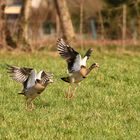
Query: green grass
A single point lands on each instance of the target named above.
(106, 106)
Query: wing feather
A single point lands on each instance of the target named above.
(86, 57)
(46, 77)
(77, 64)
(19, 74)
(68, 53)
(88, 53)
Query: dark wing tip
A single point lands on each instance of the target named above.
(48, 74)
(88, 53)
(59, 39)
(91, 49)
(61, 43)
(10, 68)
(46, 77)
(65, 50)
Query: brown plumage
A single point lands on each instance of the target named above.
(33, 84)
(76, 64)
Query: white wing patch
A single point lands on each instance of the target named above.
(83, 61)
(39, 75)
(77, 63)
(32, 78)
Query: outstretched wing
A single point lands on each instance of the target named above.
(72, 57)
(88, 53)
(86, 57)
(19, 74)
(46, 77)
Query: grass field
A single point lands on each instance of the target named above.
(106, 106)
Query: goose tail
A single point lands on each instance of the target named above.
(66, 79)
(21, 93)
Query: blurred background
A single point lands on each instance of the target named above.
(37, 24)
(107, 103)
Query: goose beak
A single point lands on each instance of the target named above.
(50, 76)
(51, 81)
(97, 65)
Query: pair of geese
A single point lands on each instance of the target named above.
(35, 83)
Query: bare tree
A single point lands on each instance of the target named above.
(124, 25)
(87, 10)
(23, 38)
(5, 34)
(2, 24)
(37, 18)
(65, 19)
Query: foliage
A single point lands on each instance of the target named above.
(106, 106)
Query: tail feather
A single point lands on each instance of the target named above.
(66, 79)
(22, 93)
(88, 53)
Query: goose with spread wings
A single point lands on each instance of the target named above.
(33, 83)
(76, 65)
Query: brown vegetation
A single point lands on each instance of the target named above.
(91, 23)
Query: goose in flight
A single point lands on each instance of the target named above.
(76, 65)
(33, 83)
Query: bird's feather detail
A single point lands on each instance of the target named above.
(31, 79)
(19, 74)
(68, 53)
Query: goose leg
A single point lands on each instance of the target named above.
(32, 105)
(73, 92)
(29, 104)
(68, 92)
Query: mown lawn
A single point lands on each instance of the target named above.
(106, 106)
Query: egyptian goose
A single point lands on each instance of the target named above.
(33, 83)
(76, 65)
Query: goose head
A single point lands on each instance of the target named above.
(95, 65)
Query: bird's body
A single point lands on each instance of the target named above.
(33, 83)
(75, 77)
(76, 64)
(34, 91)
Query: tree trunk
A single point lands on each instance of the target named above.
(57, 25)
(138, 19)
(81, 22)
(81, 17)
(23, 31)
(2, 24)
(5, 34)
(102, 25)
(64, 18)
(124, 25)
